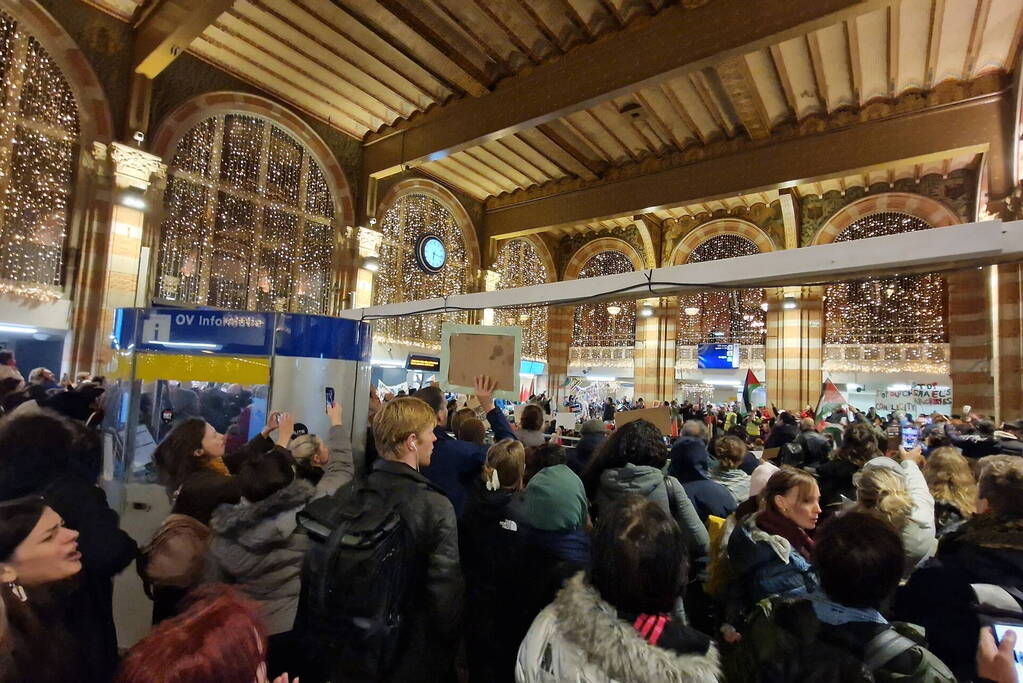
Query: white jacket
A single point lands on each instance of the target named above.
(919, 535)
(580, 639)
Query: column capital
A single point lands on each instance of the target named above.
(134, 167)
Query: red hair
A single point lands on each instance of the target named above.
(218, 638)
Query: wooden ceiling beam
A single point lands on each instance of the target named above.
(169, 29)
(966, 127)
(852, 40)
(813, 46)
(894, 34)
(680, 109)
(778, 61)
(934, 42)
(741, 89)
(675, 43)
(976, 37)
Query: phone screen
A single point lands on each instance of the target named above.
(329, 395)
(894, 436)
(1000, 631)
(910, 436)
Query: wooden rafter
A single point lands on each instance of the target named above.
(541, 25)
(593, 169)
(610, 133)
(976, 37)
(814, 48)
(663, 127)
(477, 41)
(778, 62)
(894, 34)
(742, 90)
(511, 157)
(707, 100)
(680, 110)
(169, 29)
(934, 42)
(852, 38)
(576, 19)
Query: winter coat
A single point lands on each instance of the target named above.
(973, 445)
(815, 447)
(106, 551)
(455, 464)
(257, 547)
(492, 544)
(938, 597)
(652, 484)
(764, 564)
(609, 412)
(580, 638)
(919, 534)
(434, 618)
(781, 435)
(735, 480)
(1008, 444)
(689, 459)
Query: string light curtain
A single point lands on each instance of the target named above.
(518, 265)
(592, 324)
(733, 316)
(39, 130)
(400, 278)
(909, 309)
(249, 220)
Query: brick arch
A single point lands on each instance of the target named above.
(930, 211)
(449, 201)
(591, 249)
(542, 251)
(190, 113)
(721, 226)
(94, 120)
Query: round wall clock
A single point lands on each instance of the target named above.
(430, 253)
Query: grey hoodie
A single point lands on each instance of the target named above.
(256, 548)
(653, 484)
(735, 480)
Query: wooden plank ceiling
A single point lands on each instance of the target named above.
(365, 65)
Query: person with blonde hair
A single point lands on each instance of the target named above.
(492, 544)
(950, 479)
(730, 452)
(403, 430)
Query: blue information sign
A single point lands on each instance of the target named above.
(194, 331)
(717, 356)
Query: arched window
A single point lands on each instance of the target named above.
(39, 130)
(732, 316)
(897, 310)
(594, 324)
(249, 220)
(518, 265)
(402, 277)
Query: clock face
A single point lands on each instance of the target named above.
(431, 253)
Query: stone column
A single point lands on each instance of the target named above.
(559, 340)
(1010, 341)
(794, 349)
(111, 259)
(654, 355)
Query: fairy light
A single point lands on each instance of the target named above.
(401, 279)
(518, 265)
(736, 313)
(249, 220)
(592, 324)
(899, 310)
(39, 127)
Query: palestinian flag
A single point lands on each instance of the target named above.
(830, 399)
(749, 386)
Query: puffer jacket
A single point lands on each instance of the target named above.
(655, 485)
(763, 564)
(580, 638)
(257, 548)
(919, 534)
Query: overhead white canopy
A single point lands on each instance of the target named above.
(952, 248)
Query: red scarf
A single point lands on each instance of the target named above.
(778, 524)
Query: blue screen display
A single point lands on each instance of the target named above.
(717, 356)
(531, 367)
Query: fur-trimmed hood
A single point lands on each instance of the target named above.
(265, 523)
(615, 648)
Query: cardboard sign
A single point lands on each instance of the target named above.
(660, 417)
(471, 350)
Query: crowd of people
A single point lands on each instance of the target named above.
(466, 548)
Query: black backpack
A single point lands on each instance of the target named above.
(355, 579)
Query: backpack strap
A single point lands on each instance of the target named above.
(672, 502)
(995, 599)
(884, 647)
